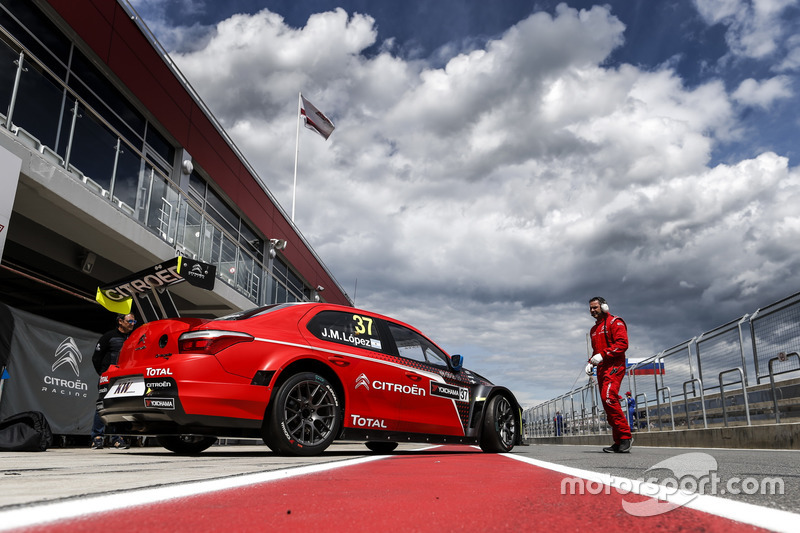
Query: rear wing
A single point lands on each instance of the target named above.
(149, 288)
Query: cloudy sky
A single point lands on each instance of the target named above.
(496, 164)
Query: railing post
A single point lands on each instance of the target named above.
(75, 116)
(646, 413)
(741, 349)
(658, 406)
(20, 69)
(702, 402)
(744, 394)
(753, 344)
(117, 151)
(772, 382)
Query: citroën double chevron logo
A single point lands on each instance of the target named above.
(68, 353)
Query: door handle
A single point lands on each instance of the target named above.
(339, 361)
(413, 376)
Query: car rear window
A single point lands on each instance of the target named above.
(256, 311)
(352, 329)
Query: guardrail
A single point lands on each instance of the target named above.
(704, 382)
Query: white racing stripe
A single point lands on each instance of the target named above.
(747, 513)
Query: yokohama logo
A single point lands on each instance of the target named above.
(159, 403)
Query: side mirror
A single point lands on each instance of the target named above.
(456, 362)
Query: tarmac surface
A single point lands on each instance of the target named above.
(70, 474)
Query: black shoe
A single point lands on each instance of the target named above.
(97, 443)
(614, 448)
(624, 446)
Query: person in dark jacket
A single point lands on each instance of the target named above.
(105, 354)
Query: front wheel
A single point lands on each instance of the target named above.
(499, 430)
(186, 444)
(304, 418)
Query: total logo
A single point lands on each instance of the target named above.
(152, 372)
(364, 422)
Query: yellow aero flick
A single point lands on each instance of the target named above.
(122, 307)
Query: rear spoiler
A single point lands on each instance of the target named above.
(152, 284)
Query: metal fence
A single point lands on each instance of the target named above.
(745, 372)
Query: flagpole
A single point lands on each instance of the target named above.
(296, 150)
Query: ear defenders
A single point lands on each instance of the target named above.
(603, 304)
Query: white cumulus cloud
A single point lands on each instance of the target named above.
(487, 199)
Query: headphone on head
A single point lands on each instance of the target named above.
(603, 304)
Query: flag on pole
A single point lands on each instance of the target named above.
(315, 119)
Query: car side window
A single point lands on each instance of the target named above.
(352, 329)
(412, 345)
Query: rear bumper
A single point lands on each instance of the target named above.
(170, 406)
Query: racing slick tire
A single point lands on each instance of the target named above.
(186, 444)
(381, 446)
(304, 418)
(499, 429)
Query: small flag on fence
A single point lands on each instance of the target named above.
(642, 367)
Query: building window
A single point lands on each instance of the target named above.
(80, 120)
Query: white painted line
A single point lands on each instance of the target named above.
(747, 513)
(72, 508)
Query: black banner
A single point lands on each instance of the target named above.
(50, 370)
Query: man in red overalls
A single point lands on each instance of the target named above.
(609, 342)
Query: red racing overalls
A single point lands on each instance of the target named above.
(610, 339)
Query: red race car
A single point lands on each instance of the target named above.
(299, 376)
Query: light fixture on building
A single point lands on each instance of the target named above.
(88, 262)
(187, 167)
(318, 290)
(276, 244)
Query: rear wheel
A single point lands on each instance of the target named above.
(304, 418)
(381, 446)
(500, 427)
(186, 444)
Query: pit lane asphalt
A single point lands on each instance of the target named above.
(30, 478)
